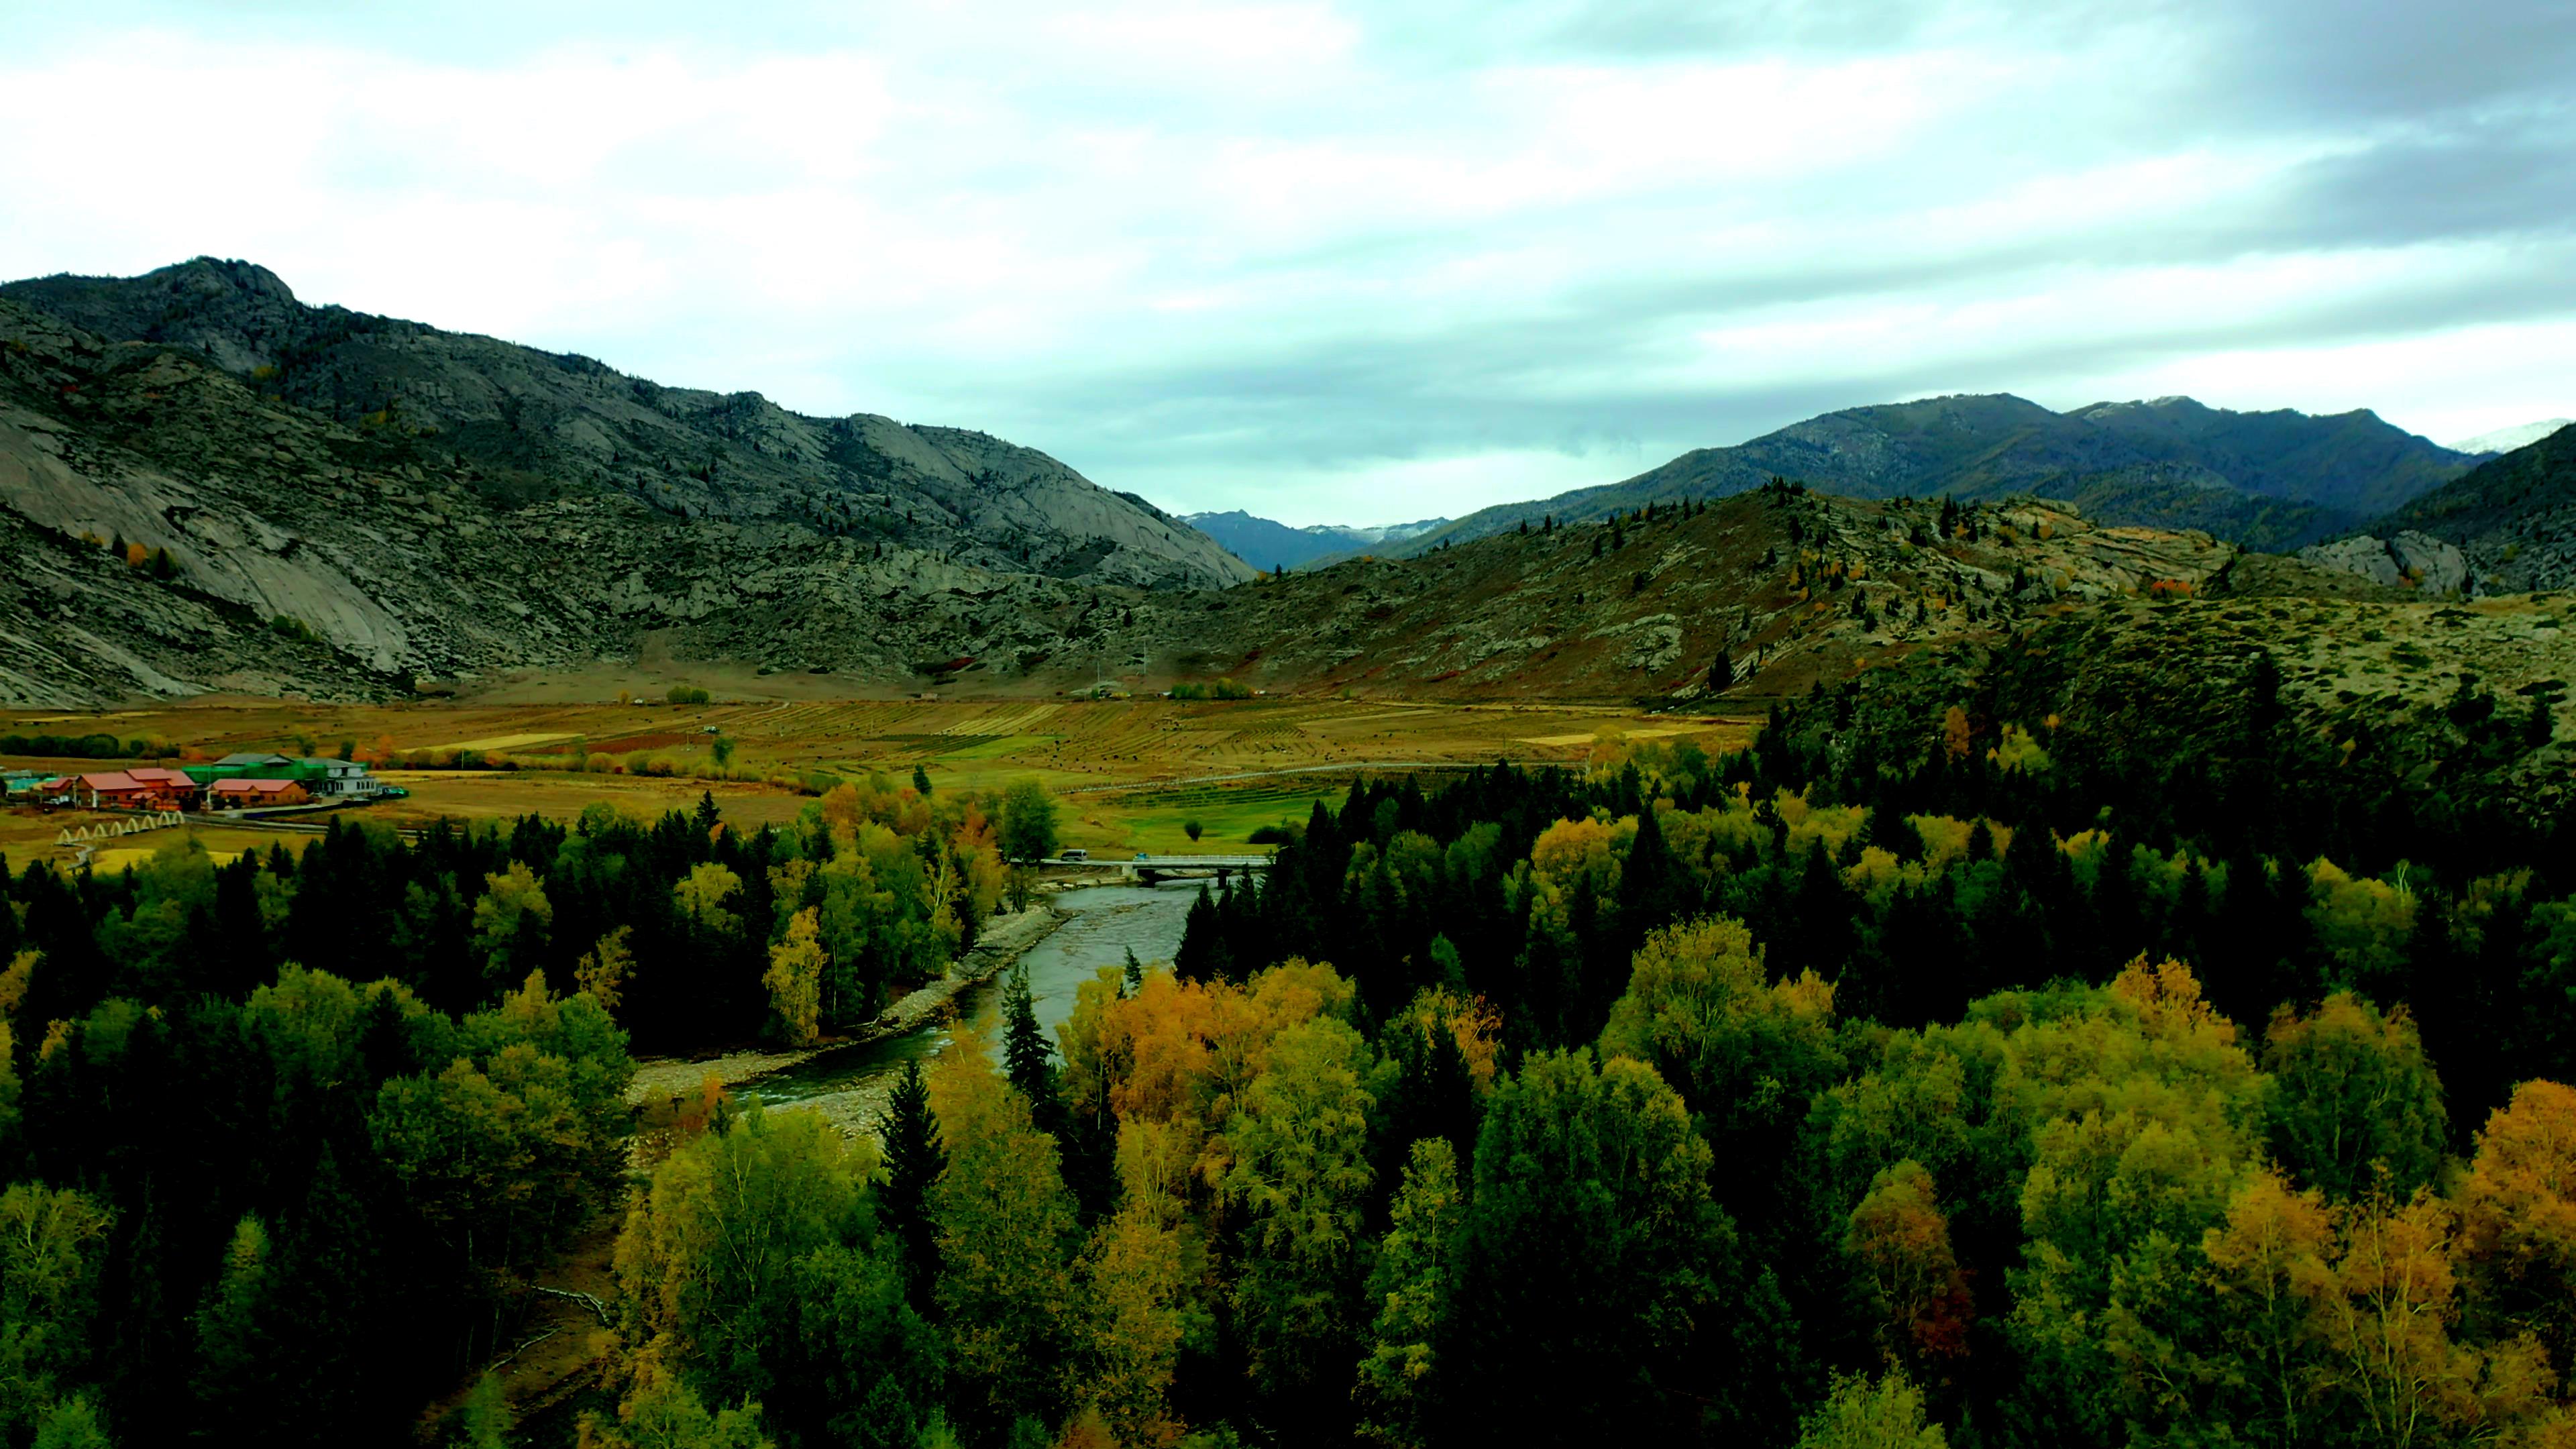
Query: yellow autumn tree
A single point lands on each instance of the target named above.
(2518, 1216)
(1132, 1341)
(795, 978)
(602, 971)
(2388, 1330)
(2270, 1286)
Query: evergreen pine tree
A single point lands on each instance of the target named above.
(1200, 950)
(1135, 978)
(1024, 1045)
(921, 781)
(1650, 885)
(707, 814)
(915, 1161)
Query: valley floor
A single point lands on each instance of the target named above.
(1133, 774)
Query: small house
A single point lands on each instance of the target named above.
(116, 790)
(338, 779)
(255, 794)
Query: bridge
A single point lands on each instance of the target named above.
(1152, 868)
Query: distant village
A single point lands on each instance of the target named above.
(248, 781)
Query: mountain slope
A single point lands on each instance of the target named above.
(2515, 517)
(1266, 544)
(272, 550)
(1791, 588)
(535, 425)
(2266, 480)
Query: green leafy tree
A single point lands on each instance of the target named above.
(511, 920)
(1006, 1289)
(701, 897)
(1863, 1413)
(1409, 1288)
(1301, 1165)
(484, 1420)
(667, 1415)
(1599, 1295)
(921, 781)
(2353, 1094)
(707, 1266)
(1746, 1053)
(1028, 825)
(53, 1243)
(72, 1423)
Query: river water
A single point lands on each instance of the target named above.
(1106, 923)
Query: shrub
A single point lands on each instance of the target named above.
(686, 694)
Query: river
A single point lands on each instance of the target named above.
(850, 1085)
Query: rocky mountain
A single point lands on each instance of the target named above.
(2514, 518)
(2505, 440)
(1266, 544)
(177, 522)
(206, 486)
(534, 426)
(2265, 480)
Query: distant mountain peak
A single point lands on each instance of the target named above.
(1267, 544)
(2505, 440)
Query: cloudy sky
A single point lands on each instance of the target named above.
(1367, 262)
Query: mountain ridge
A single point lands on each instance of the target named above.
(2266, 480)
(538, 423)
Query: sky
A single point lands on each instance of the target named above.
(1363, 263)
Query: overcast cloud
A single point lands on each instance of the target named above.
(1364, 263)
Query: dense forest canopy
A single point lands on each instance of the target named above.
(1933, 1071)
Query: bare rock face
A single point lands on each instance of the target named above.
(535, 425)
(2411, 559)
(172, 528)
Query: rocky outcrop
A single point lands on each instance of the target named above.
(2411, 559)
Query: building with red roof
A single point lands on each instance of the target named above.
(251, 794)
(164, 789)
(113, 790)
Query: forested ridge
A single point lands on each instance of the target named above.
(2015, 1061)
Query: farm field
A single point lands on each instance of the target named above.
(1131, 773)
